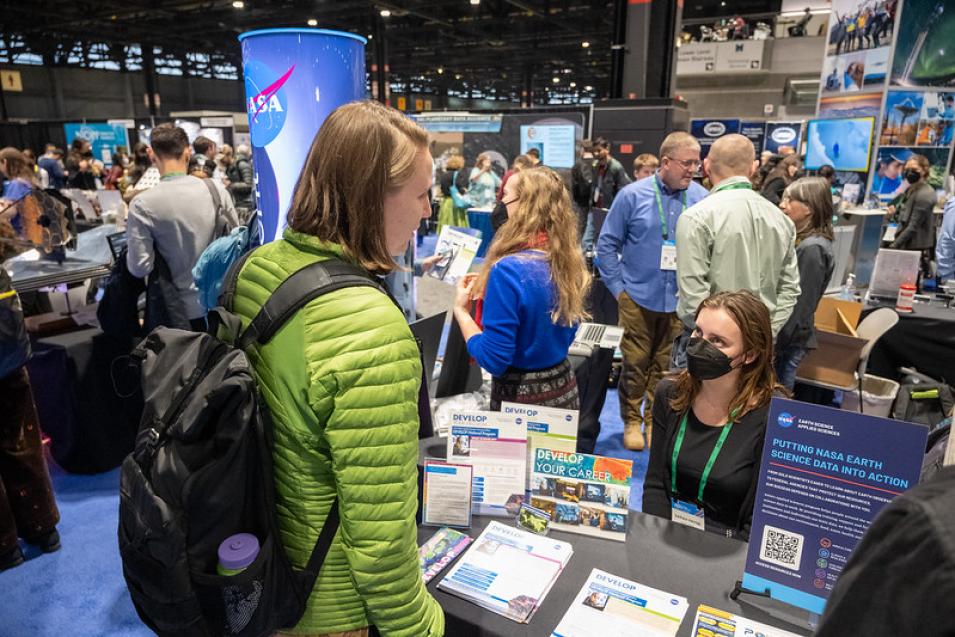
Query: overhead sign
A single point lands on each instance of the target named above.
(825, 474)
(104, 138)
(707, 131)
(12, 81)
(459, 123)
(735, 56)
(782, 134)
(225, 121)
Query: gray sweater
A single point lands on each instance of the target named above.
(176, 217)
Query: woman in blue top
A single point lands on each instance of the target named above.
(19, 183)
(530, 295)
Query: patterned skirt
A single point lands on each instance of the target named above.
(551, 387)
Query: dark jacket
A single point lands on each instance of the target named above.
(83, 180)
(461, 182)
(900, 579)
(773, 190)
(612, 182)
(240, 182)
(916, 220)
(14, 341)
(582, 182)
(657, 491)
(816, 263)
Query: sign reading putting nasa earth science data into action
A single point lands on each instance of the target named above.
(825, 474)
(294, 78)
(707, 131)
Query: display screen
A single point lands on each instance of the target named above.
(556, 144)
(843, 144)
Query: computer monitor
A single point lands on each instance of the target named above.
(428, 333)
(458, 374)
(845, 144)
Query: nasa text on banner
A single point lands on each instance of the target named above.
(294, 78)
(104, 138)
(825, 474)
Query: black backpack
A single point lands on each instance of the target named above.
(201, 471)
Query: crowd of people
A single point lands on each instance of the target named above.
(716, 287)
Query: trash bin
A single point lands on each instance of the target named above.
(878, 394)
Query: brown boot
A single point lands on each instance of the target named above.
(632, 438)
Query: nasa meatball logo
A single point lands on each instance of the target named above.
(785, 420)
(714, 129)
(783, 135)
(266, 103)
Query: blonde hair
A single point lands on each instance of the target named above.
(646, 159)
(362, 151)
(543, 206)
(678, 140)
(455, 162)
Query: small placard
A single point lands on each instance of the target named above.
(596, 335)
(447, 494)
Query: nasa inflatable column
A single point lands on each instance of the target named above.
(293, 79)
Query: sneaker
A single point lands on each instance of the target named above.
(12, 558)
(47, 543)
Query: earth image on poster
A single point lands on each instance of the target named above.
(926, 44)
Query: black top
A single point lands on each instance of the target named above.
(816, 263)
(731, 488)
(900, 579)
(445, 181)
(773, 190)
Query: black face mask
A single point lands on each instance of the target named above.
(499, 215)
(912, 176)
(704, 361)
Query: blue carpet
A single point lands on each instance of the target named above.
(80, 591)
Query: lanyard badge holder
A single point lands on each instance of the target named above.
(683, 511)
(668, 251)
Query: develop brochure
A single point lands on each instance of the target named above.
(584, 494)
(712, 622)
(611, 606)
(508, 571)
(440, 550)
(457, 250)
(495, 445)
(446, 494)
(547, 427)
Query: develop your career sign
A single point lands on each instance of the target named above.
(825, 475)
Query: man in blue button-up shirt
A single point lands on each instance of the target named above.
(636, 255)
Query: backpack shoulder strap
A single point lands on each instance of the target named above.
(306, 284)
(220, 223)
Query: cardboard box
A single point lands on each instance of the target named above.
(836, 358)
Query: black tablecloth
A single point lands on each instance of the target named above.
(703, 567)
(91, 427)
(924, 339)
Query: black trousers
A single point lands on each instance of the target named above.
(27, 506)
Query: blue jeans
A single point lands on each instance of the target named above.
(787, 362)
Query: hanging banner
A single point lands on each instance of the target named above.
(754, 132)
(294, 78)
(782, 134)
(825, 474)
(104, 138)
(708, 131)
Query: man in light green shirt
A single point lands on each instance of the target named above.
(735, 239)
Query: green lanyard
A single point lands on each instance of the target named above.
(709, 463)
(664, 228)
(169, 176)
(738, 185)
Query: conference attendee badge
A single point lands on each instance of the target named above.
(890, 231)
(687, 514)
(668, 255)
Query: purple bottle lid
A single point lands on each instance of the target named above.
(238, 551)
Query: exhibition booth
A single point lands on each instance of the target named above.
(524, 528)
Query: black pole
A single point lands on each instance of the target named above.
(618, 48)
(3, 103)
(381, 60)
(661, 41)
(149, 75)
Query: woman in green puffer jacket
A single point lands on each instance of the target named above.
(341, 378)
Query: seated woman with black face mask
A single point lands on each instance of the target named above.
(709, 420)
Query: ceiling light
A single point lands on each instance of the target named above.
(312, 22)
(585, 44)
(457, 76)
(370, 36)
(475, 2)
(588, 88)
(440, 70)
(573, 85)
(385, 13)
(238, 4)
(556, 80)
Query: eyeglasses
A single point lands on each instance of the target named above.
(687, 164)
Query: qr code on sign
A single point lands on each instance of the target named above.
(781, 548)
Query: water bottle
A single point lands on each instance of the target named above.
(236, 553)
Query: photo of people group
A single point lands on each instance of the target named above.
(857, 25)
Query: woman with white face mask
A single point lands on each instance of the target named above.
(710, 419)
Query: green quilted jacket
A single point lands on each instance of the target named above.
(341, 379)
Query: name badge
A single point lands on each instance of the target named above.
(687, 514)
(668, 256)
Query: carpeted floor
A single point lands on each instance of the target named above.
(79, 590)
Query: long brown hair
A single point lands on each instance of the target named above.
(816, 194)
(781, 169)
(543, 206)
(362, 150)
(757, 381)
(17, 165)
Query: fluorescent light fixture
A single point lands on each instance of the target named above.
(556, 80)
(585, 44)
(385, 13)
(312, 22)
(238, 4)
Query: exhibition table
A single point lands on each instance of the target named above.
(923, 339)
(480, 219)
(92, 258)
(703, 567)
